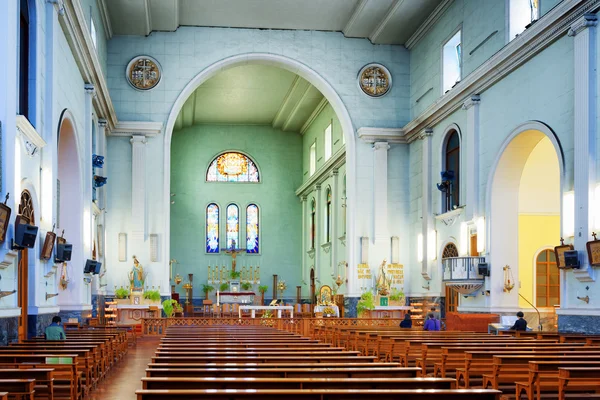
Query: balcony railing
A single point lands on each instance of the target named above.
(461, 268)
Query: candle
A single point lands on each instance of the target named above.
(217, 298)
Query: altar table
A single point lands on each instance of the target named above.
(389, 311)
(334, 307)
(236, 297)
(278, 308)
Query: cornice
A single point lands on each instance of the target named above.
(390, 135)
(472, 101)
(80, 41)
(336, 161)
(585, 21)
(137, 128)
(527, 45)
(433, 18)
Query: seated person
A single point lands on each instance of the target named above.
(432, 324)
(54, 331)
(520, 324)
(407, 322)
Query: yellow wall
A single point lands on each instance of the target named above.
(535, 232)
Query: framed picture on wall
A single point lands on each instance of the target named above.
(48, 246)
(593, 251)
(559, 252)
(4, 219)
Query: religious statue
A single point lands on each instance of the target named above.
(383, 281)
(136, 276)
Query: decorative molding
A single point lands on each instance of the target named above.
(433, 18)
(381, 146)
(297, 106)
(10, 312)
(342, 239)
(578, 311)
(360, 6)
(471, 101)
(9, 259)
(33, 141)
(335, 161)
(585, 21)
(322, 104)
(390, 135)
(533, 40)
(427, 132)
(286, 101)
(450, 217)
(59, 5)
(80, 41)
(102, 123)
(95, 209)
(90, 89)
(311, 253)
(585, 274)
(326, 247)
(105, 19)
(386, 20)
(137, 128)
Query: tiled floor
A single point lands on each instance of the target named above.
(124, 379)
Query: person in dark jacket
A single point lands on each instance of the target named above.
(407, 323)
(520, 324)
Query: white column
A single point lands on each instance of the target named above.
(318, 232)
(334, 222)
(427, 223)
(304, 238)
(472, 157)
(584, 33)
(138, 186)
(380, 189)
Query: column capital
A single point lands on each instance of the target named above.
(318, 187)
(138, 139)
(90, 89)
(102, 123)
(427, 132)
(381, 146)
(474, 100)
(335, 172)
(303, 198)
(586, 20)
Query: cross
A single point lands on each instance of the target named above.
(233, 253)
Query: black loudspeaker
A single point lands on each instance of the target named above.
(97, 268)
(483, 269)
(90, 266)
(25, 235)
(571, 259)
(63, 252)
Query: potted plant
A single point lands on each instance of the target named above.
(246, 286)
(267, 318)
(168, 307)
(122, 296)
(223, 287)
(365, 303)
(151, 297)
(397, 297)
(262, 289)
(234, 275)
(206, 289)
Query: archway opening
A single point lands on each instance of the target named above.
(69, 210)
(525, 218)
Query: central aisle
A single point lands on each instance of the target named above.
(124, 379)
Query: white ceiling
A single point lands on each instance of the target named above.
(382, 21)
(252, 95)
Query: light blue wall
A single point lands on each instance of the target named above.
(279, 157)
(90, 10)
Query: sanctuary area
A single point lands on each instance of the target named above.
(334, 198)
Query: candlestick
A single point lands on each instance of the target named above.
(217, 298)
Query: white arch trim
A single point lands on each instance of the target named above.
(312, 77)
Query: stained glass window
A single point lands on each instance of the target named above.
(233, 226)
(328, 216)
(313, 213)
(232, 167)
(212, 228)
(252, 237)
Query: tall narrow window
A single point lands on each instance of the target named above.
(313, 214)
(452, 62)
(547, 280)
(313, 158)
(212, 228)
(452, 168)
(520, 14)
(24, 30)
(232, 167)
(328, 142)
(93, 33)
(252, 229)
(328, 216)
(233, 226)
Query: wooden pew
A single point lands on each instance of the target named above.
(317, 394)
(576, 375)
(44, 379)
(277, 365)
(390, 372)
(261, 358)
(19, 388)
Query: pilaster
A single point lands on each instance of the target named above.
(318, 231)
(304, 236)
(380, 189)
(138, 186)
(334, 222)
(584, 34)
(472, 157)
(427, 222)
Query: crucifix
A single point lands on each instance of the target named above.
(233, 252)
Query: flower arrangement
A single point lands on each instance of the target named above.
(365, 303)
(328, 311)
(152, 295)
(246, 285)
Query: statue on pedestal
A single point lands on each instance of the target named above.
(136, 276)
(383, 280)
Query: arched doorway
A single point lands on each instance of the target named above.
(524, 203)
(547, 279)
(304, 72)
(69, 207)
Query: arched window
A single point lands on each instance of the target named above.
(252, 229)
(450, 251)
(451, 197)
(26, 207)
(547, 279)
(313, 214)
(26, 58)
(233, 226)
(232, 167)
(328, 216)
(212, 228)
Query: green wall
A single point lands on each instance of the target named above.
(316, 131)
(279, 158)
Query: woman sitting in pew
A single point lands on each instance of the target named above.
(407, 323)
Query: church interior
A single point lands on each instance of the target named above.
(252, 199)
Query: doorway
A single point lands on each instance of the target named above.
(312, 290)
(25, 216)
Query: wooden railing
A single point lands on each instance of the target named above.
(303, 326)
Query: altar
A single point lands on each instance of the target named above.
(133, 313)
(389, 311)
(235, 298)
(278, 308)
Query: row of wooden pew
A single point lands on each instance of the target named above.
(523, 365)
(259, 362)
(66, 369)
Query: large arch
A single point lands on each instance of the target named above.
(312, 77)
(502, 198)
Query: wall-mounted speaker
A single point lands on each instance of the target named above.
(571, 259)
(97, 268)
(483, 269)
(90, 266)
(63, 252)
(25, 235)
